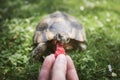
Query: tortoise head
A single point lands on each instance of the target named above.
(62, 38)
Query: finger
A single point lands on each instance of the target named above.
(59, 68)
(46, 67)
(71, 71)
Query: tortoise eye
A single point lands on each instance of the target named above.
(68, 40)
(58, 36)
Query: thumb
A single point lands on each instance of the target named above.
(59, 68)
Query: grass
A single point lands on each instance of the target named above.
(100, 18)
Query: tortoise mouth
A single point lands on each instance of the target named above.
(59, 42)
(55, 42)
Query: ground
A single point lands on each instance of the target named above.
(18, 19)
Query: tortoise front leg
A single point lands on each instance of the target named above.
(36, 53)
(82, 46)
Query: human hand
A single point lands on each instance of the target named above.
(61, 68)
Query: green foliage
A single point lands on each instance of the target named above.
(100, 18)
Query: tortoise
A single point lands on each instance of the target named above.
(58, 27)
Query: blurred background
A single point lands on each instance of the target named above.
(101, 19)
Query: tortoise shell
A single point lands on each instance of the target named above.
(60, 22)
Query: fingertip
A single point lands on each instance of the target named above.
(48, 60)
(60, 63)
(45, 70)
(71, 71)
(52, 57)
(68, 57)
(70, 64)
(61, 58)
(59, 68)
(61, 55)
